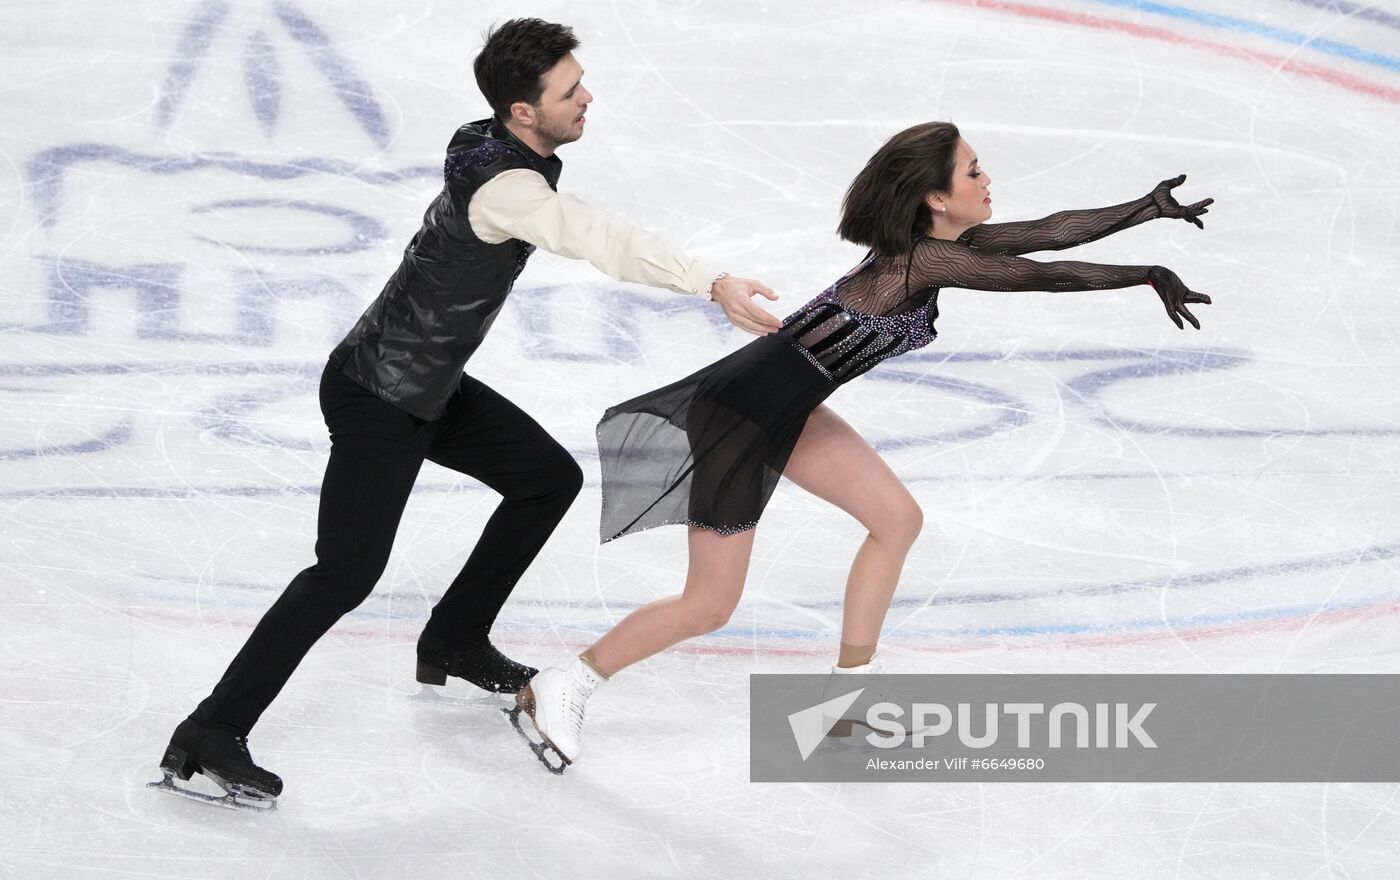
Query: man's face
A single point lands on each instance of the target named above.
(562, 105)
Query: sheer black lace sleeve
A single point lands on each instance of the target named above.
(939, 263)
(1061, 230)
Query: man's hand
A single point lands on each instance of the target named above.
(1175, 295)
(1170, 207)
(735, 296)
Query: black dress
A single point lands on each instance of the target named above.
(708, 450)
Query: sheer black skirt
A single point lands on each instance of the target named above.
(708, 450)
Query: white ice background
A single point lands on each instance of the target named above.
(197, 198)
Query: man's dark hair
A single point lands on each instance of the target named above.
(515, 56)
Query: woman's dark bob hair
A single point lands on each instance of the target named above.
(884, 208)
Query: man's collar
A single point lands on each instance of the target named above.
(501, 131)
(548, 166)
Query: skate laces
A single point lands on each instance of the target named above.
(579, 685)
(575, 709)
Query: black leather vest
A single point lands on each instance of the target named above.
(410, 345)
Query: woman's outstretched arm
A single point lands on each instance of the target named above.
(1066, 229)
(939, 263)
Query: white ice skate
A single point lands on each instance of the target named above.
(554, 699)
(880, 687)
(836, 685)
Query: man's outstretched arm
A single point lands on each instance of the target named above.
(520, 204)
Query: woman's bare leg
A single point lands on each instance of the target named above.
(718, 566)
(836, 464)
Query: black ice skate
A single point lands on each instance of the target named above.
(224, 758)
(481, 664)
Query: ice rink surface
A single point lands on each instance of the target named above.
(199, 197)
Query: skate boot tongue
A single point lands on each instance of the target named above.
(584, 678)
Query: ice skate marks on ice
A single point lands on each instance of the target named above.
(542, 747)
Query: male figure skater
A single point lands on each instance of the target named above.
(394, 394)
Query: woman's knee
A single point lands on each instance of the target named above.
(899, 521)
(711, 618)
(708, 615)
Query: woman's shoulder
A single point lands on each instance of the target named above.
(929, 245)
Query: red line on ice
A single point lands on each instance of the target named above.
(1267, 59)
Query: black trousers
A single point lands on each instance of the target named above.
(376, 452)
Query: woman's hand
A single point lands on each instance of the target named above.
(1170, 207)
(1175, 295)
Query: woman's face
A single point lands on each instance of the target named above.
(969, 202)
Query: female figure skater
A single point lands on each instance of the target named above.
(708, 450)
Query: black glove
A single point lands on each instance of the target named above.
(1175, 295)
(1170, 207)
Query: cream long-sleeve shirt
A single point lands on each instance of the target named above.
(519, 204)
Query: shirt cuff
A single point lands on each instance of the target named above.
(701, 278)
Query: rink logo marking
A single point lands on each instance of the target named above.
(1267, 59)
(198, 36)
(262, 68)
(110, 439)
(365, 231)
(156, 287)
(353, 91)
(48, 170)
(231, 414)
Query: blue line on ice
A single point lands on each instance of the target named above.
(1277, 34)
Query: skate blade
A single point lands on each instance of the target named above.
(541, 747)
(850, 735)
(437, 695)
(235, 798)
(846, 728)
